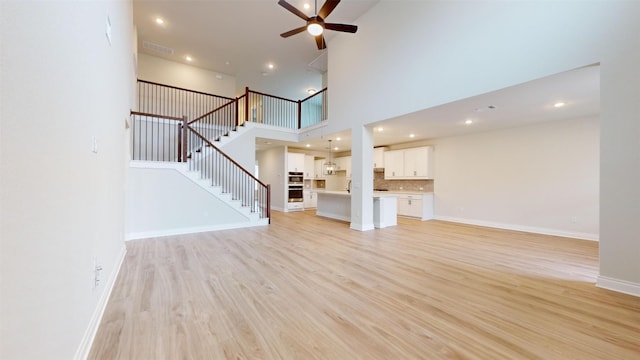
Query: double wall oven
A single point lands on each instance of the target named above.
(295, 184)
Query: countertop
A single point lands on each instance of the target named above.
(376, 194)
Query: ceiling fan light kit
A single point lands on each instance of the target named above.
(315, 24)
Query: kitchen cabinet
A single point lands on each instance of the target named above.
(378, 157)
(309, 167)
(310, 199)
(416, 205)
(394, 164)
(344, 164)
(409, 164)
(295, 162)
(319, 165)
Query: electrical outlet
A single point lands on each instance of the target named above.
(574, 219)
(94, 144)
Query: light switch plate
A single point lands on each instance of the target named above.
(108, 29)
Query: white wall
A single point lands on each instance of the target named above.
(533, 178)
(444, 51)
(162, 201)
(271, 163)
(61, 205)
(155, 69)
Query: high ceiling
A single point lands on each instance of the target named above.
(520, 105)
(241, 37)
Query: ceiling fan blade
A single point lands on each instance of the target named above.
(292, 9)
(341, 27)
(293, 32)
(327, 8)
(320, 42)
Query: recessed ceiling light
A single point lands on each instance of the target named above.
(219, 77)
(468, 121)
(270, 66)
(336, 148)
(311, 91)
(486, 108)
(188, 58)
(306, 6)
(559, 104)
(412, 135)
(159, 21)
(380, 129)
(227, 62)
(338, 139)
(308, 145)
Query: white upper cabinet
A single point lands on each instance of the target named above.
(413, 163)
(309, 167)
(394, 164)
(378, 157)
(295, 162)
(319, 167)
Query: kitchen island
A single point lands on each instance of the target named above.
(337, 205)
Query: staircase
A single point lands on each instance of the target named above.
(181, 179)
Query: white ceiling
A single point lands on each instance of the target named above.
(245, 33)
(524, 104)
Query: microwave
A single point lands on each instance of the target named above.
(295, 178)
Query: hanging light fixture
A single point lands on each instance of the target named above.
(329, 166)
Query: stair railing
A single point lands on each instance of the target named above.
(222, 171)
(156, 137)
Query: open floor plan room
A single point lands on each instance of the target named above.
(311, 288)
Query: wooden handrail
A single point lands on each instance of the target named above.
(157, 116)
(226, 156)
(310, 96)
(273, 96)
(183, 89)
(211, 112)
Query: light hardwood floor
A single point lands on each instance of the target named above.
(311, 288)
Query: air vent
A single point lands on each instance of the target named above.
(157, 48)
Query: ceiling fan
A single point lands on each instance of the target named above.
(315, 24)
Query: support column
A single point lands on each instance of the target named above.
(361, 178)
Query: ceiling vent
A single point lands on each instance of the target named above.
(157, 48)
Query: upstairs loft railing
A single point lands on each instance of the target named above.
(214, 116)
(273, 110)
(167, 100)
(158, 137)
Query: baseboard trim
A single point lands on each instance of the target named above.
(361, 227)
(192, 230)
(87, 340)
(622, 286)
(530, 229)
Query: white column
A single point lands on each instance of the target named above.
(361, 178)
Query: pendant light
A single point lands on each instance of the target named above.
(330, 167)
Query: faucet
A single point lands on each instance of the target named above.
(349, 187)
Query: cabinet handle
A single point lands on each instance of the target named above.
(415, 173)
(393, 173)
(409, 201)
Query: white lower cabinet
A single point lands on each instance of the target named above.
(416, 205)
(310, 199)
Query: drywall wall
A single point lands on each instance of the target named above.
(271, 168)
(542, 178)
(155, 69)
(61, 204)
(443, 51)
(162, 201)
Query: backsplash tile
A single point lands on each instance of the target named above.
(407, 185)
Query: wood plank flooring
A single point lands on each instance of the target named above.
(311, 288)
